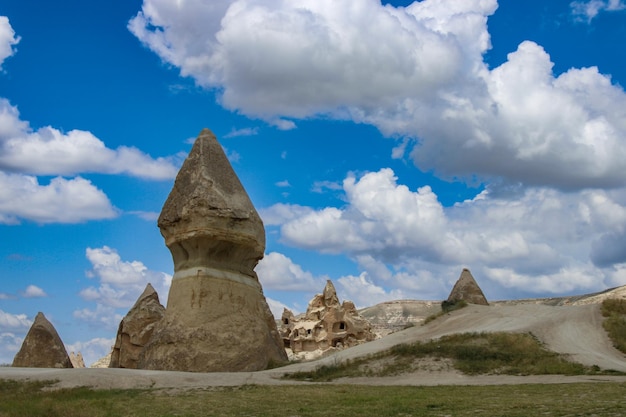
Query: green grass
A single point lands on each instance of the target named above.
(600, 399)
(471, 353)
(614, 311)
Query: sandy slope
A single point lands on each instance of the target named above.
(575, 330)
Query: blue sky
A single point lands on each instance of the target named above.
(386, 147)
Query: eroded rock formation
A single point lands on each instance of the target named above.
(467, 289)
(327, 325)
(135, 329)
(42, 347)
(217, 318)
(77, 360)
(104, 361)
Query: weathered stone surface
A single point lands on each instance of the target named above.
(104, 361)
(326, 326)
(217, 318)
(467, 289)
(42, 347)
(77, 360)
(135, 329)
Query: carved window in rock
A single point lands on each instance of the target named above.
(340, 326)
(285, 321)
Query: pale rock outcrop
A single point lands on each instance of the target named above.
(326, 326)
(42, 347)
(77, 360)
(135, 329)
(104, 361)
(467, 289)
(217, 318)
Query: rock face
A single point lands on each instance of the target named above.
(103, 362)
(42, 347)
(326, 326)
(467, 289)
(77, 360)
(217, 318)
(136, 329)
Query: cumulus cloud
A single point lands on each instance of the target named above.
(121, 282)
(8, 39)
(102, 317)
(421, 76)
(93, 349)
(33, 291)
(277, 308)
(14, 322)
(10, 344)
(538, 240)
(588, 10)
(61, 201)
(48, 151)
(278, 272)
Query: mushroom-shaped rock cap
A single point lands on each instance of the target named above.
(208, 211)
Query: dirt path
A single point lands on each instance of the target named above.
(573, 330)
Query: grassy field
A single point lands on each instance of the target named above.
(470, 353)
(596, 399)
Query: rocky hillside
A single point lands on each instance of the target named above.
(392, 316)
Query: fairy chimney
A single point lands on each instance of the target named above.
(467, 289)
(136, 328)
(42, 347)
(217, 318)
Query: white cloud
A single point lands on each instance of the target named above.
(364, 293)
(421, 77)
(8, 39)
(61, 201)
(93, 349)
(278, 272)
(535, 240)
(276, 307)
(321, 186)
(121, 282)
(102, 317)
(48, 151)
(588, 10)
(247, 131)
(33, 291)
(283, 184)
(14, 322)
(280, 213)
(10, 344)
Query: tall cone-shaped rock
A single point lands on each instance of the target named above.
(467, 289)
(42, 347)
(217, 318)
(136, 328)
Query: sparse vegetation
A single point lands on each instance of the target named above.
(446, 307)
(614, 311)
(471, 353)
(21, 399)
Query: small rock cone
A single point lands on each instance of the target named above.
(42, 347)
(136, 328)
(467, 289)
